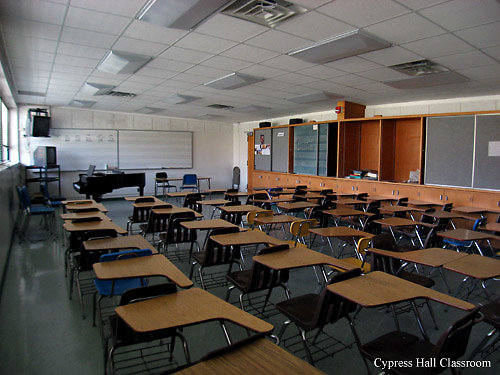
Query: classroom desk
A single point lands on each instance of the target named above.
(311, 195)
(395, 222)
(295, 206)
(251, 237)
(269, 221)
(415, 202)
(149, 204)
(239, 194)
(471, 210)
(183, 309)
(339, 213)
(154, 265)
(77, 215)
(83, 206)
(379, 288)
(135, 241)
(447, 215)
(467, 235)
(242, 208)
(209, 224)
(492, 227)
(340, 233)
(213, 202)
(342, 194)
(168, 179)
(395, 209)
(79, 201)
(260, 357)
(280, 199)
(133, 199)
(175, 210)
(431, 257)
(92, 225)
(378, 198)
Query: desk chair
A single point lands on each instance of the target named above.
(122, 336)
(447, 207)
(489, 345)
(176, 234)
(163, 184)
(157, 223)
(403, 346)
(189, 181)
(314, 311)
(259, 278)
(190, 201)
(464, 245)
(47, 214)
(51, 201)
(215, 255)
(140, 215)
(230, 197)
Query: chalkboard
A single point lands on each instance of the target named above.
(78, 148)
(140, 149)
(305, 147)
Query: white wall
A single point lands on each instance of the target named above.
(212, 144)
(484, 103)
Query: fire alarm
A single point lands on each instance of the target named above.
(338, 110)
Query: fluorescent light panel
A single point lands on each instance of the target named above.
(82, 103)
(118, 62)
(149, 110)
(314, 97)
(179, 14)
(232, 81)
(429, 80)
(97, 89)
(338, 47)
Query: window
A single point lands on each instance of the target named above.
(4, 136)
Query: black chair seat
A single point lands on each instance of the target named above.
(300, 310)
(491, 314)
(417, 279)
(240, 279)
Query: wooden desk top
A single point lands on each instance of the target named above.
(415, 202)
(183, 309)
(251, 237)
(135, 241)
(168, 179)
(175, 210)
(343, 194)
(494, 227)
(275, 219)
(349, 202)
(379, 288)
(462, 234)
(340, 232)
(470, 210)
(476, 266)
(243, 208)
(79, 201)
(132, 199)
(154, 265)
(82, 206)
(149, 204)
(378, 198)
(259, 357)
(77, 215)
(401, 222)
(179, 194)
(447, 215)
(239, 194)
(213, 202)
(298, 257)
(287, 206)
(392, 209)
(432, 257)
(93, 225)
(280, 199)
(342, 212)
(209, 224)
(211, 191)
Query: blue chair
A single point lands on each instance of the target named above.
(111, 288)
(51, 201)
(47, 213)
(466, 245)
(189, 181)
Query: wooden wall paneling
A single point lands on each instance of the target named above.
(387, 150)
(486, 199)
(406, 191)
(350, 141)
(290, 149)
(369, 157)
(407, 148)
(432, 194)
(459, 197)
(384, 190)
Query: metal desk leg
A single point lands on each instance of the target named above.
(419, 321)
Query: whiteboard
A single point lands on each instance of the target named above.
(78, 148)
(140, 149)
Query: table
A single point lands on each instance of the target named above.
(471, 210)
(258, 357)
(345, 212)
(493, 227)
(133, 199)
(86, 205)
(415, 202)
(252, 237)
(209, 224)
(77, 215)
(242, 208)
(394, 222)
(183, 309)
(93, 225)
(432, 257)
(447, 215)
(467, 235)
(291, 206)
(339, 232)
(150, 204)
(379, 288)
(135, 241)
(175, 210)
(213, 202)
(168, 179)
(274, 219)
(378, 198)
(153, 265)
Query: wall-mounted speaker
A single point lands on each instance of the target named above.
(264, 124)
(296, 121)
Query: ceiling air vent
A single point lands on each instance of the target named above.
(419, 68)
(220, 106)
(121, 94)
(264, 12)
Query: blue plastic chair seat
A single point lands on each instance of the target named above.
(116, 287)
(41, 210)
(457, 243)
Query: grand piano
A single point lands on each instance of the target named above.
(96, 185)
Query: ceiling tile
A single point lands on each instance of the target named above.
(249, 53)
(207, 71)
(30, 28)
(172, 65)
(437, 46)
(465, 60)
(287, 63)
(185, 55)
(126, 7)
(71, 69)
(321, 71)
(262, 71)
(227, 63)
(96, 21)
(382, 74)
(278, 41)
(76, 50)
(140, 47)
(153, 72)
(205, 43)
(349, 11)
(493, 52)
(314, 26)
(459, 14)
(351, 80)
(153, 33)
(231, 28)
(419, 4)
(485, 74)
(482, 36)
(36, 44)
(406, 28)
(76, 61)
(295, 78)
(311, 4)
(391, 56)
(353, 64)
(33, 56)
(34, 10)
(87, 38)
